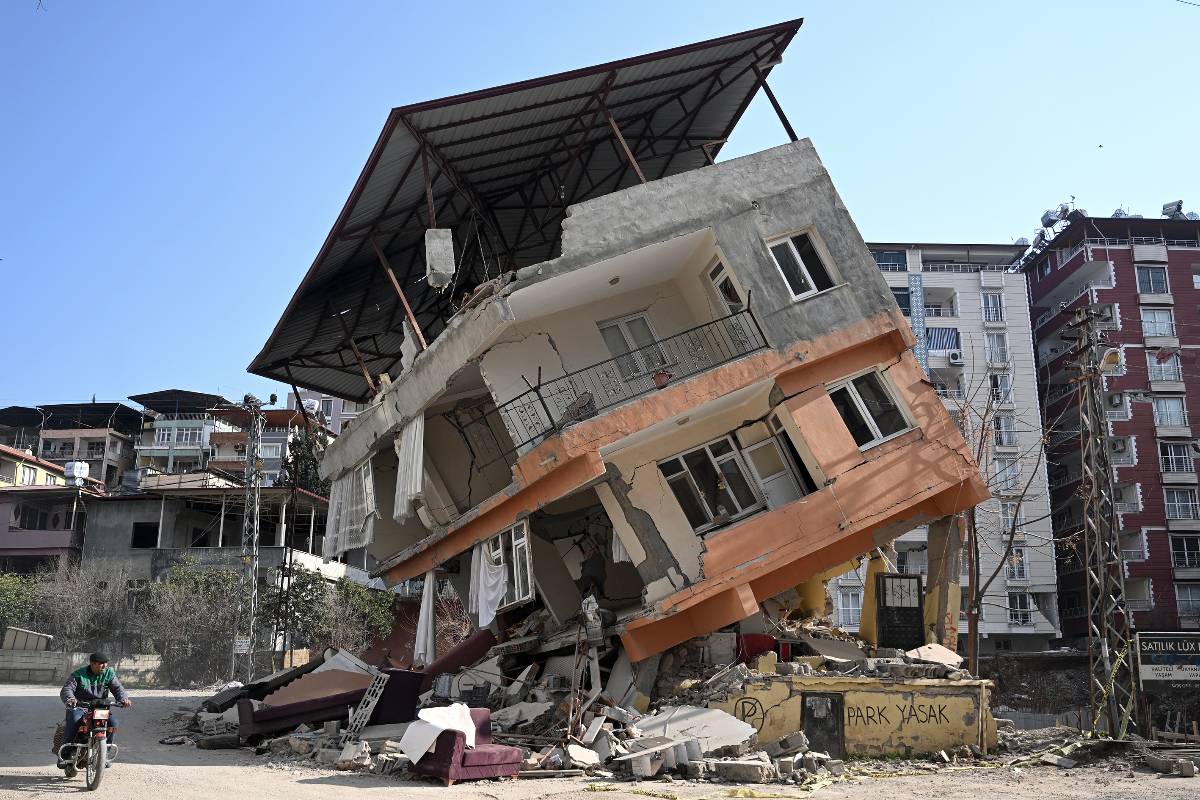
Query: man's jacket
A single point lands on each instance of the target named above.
(83, 686)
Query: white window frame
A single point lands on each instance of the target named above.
(734, 455)
(1005, 434)
(1169, 370)
(1174, 417)
(50, 480)
(512, 549)
(1137, 277)
(1008, 510)
(1017, 568)
(1189, 606)
(28, 475)
(327, 414)
(717, 273)
(984, 310)
(273, 450)
(1002, 392)
(1170, 461)
(1188, 502)
(889, 389)
(1154, 327)
(635, 354)
(1008, 477)
(818, 247)
(164, 436)
(1191, 554)
(1020, 613)
(850, 600)
(996, 355)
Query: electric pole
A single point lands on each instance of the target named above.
(244, 643)
(1112, 679)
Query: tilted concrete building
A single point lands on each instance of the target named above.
(689, 393)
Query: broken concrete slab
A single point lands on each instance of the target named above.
(831, 648)
(712, 728)
(581, 756)
(936, 654)
(518, 713)
(1062, 762)
(745, 771)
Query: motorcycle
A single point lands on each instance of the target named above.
(89, 749)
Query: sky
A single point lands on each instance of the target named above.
(168, 170)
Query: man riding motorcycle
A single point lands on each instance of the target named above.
(86, 684)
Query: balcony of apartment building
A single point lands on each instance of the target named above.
(1132, 545)
(1177, 461)
(1171, 417)
(39, 524)
(1185, 556)
(1083, 280)
(1182, 508)
(1138, 595)
(1164, 371)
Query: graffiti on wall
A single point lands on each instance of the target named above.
(897, 715)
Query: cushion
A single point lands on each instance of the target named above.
(491, 754)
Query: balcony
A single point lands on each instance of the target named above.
(1020, 617)
(1137, 604)
(580, 395)
(1185, 559)
(1133, 554)
(1177, 464)
(1184, 511)
(1171, 422)
(17, 541)
(941, 311)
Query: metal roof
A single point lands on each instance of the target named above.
(63, 416)
(499, 167)
(179, 401)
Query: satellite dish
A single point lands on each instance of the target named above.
(1119, 213)
(1023, 242)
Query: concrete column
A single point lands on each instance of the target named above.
(283, 524)
(879, 561)
(942, 591)
(221, 524)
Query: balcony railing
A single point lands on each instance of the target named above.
(1171, 418)
(1165, 372)
(1005, 438)
(997, 356)
(1137, 604)
(1153, 328)
(849, 617)
(580, 395)
(1183, 511)
(1185, 558)
(948, 393)
(1177, 463)
(939, 311)
(1016, 617)
(1189, 608)
(1133, 554)
(993, 314)
(960, 267)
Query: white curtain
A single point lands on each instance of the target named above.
(619, 553)
(351, 522)
(410, 469)
(488, 585)
(425, 645)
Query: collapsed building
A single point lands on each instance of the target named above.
(616, 389)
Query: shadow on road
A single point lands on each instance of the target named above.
(41, 784)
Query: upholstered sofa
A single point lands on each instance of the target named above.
(451, 759)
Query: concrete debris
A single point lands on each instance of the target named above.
(1062, 762)
(1167, 765)
(936, 653)
(714, 729)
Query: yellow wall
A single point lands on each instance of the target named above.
(11, 465)
(880, 717)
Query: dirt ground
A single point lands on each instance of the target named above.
(146, 768)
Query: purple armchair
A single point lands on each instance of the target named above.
(451, 761)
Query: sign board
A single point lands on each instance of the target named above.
(241, 645)
(1168, 660)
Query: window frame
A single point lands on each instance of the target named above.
(983, 306)
(1173, 363)
(28, 475)
(1021, 613)
(856, 606)
(278, 450)
(1148, 325)
(1171, 458)
(992, 354)
(1006, 516)
(635, 353)
(716, 273)
(1017, 568)
(888, 389)
(1005, 399)
(517, 550)
(1009, 477)
(1166, 280)
(1191, 501)
(1182, 412)
(822, 255)
(1005, 435)
(686, 475)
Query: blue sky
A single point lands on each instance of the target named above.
(169, 170)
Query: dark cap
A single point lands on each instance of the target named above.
(98, 658)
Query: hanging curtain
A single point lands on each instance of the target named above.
(425, 644)
(410, 469)
(351, 521)
(488, 585)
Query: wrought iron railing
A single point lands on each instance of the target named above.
(1177, 464)
(1165, 372)
(1170, 418)
(1185, 558)
(576, 396)
(1183, 511)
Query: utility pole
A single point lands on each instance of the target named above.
(250, 525)
(1113, 682)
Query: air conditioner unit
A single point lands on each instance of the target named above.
(955, 357)
(1119, 445)
(1116, 400)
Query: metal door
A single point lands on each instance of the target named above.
(824, 722)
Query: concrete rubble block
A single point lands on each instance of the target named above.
(712, 728)
(695, 770)
(302, 744)
(937, 654)
(766, 663)
(619, 715)
(593, 730)
(745, 771)
(583, 757)
(836, 767)
(328, 755)
(355, 755)
(1186, 767)
(784, 766)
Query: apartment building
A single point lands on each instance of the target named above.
(228, 447)
(1142, 277)
(334, 411)
(42, 518)
(100, 434)
(676, 386)
(176, 434)
(969, 313)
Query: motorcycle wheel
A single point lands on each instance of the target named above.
(70, 771)
(96, 760)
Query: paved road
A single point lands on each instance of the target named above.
(147, 769)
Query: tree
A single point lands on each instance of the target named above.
(302, 459)
(16, 601)
(299, 609)
(83, 606)
(192, 619)
(356, 616)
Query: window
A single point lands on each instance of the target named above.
(997, 348)
(51, 480)
(270, 478)
(807, 484)
(327, 407)
(1169, 411)
(1011, 511)
(145, 535)
(186, 436)
(1158, 322)
(1181, 504)
(1185, 551)
(1006, 430)
(1020, 608)
(95, 449)
(868, 409)
(710, 484)
(1008, 474)
(890, 260)
(162, 436)
(1188, 597)
(801, 266)
(1017, 570)
(964, 601)
(1046, 267)
(270, 450)
(31, 519)
(993, 307)
(1071, 604)
(1163, 366)
(1001, 383)
(902, 300)
(28, 475)
(510, 548)
(1175, 457)
(632, 342)
(849, 607)
(1152, 280)
(722, 283)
